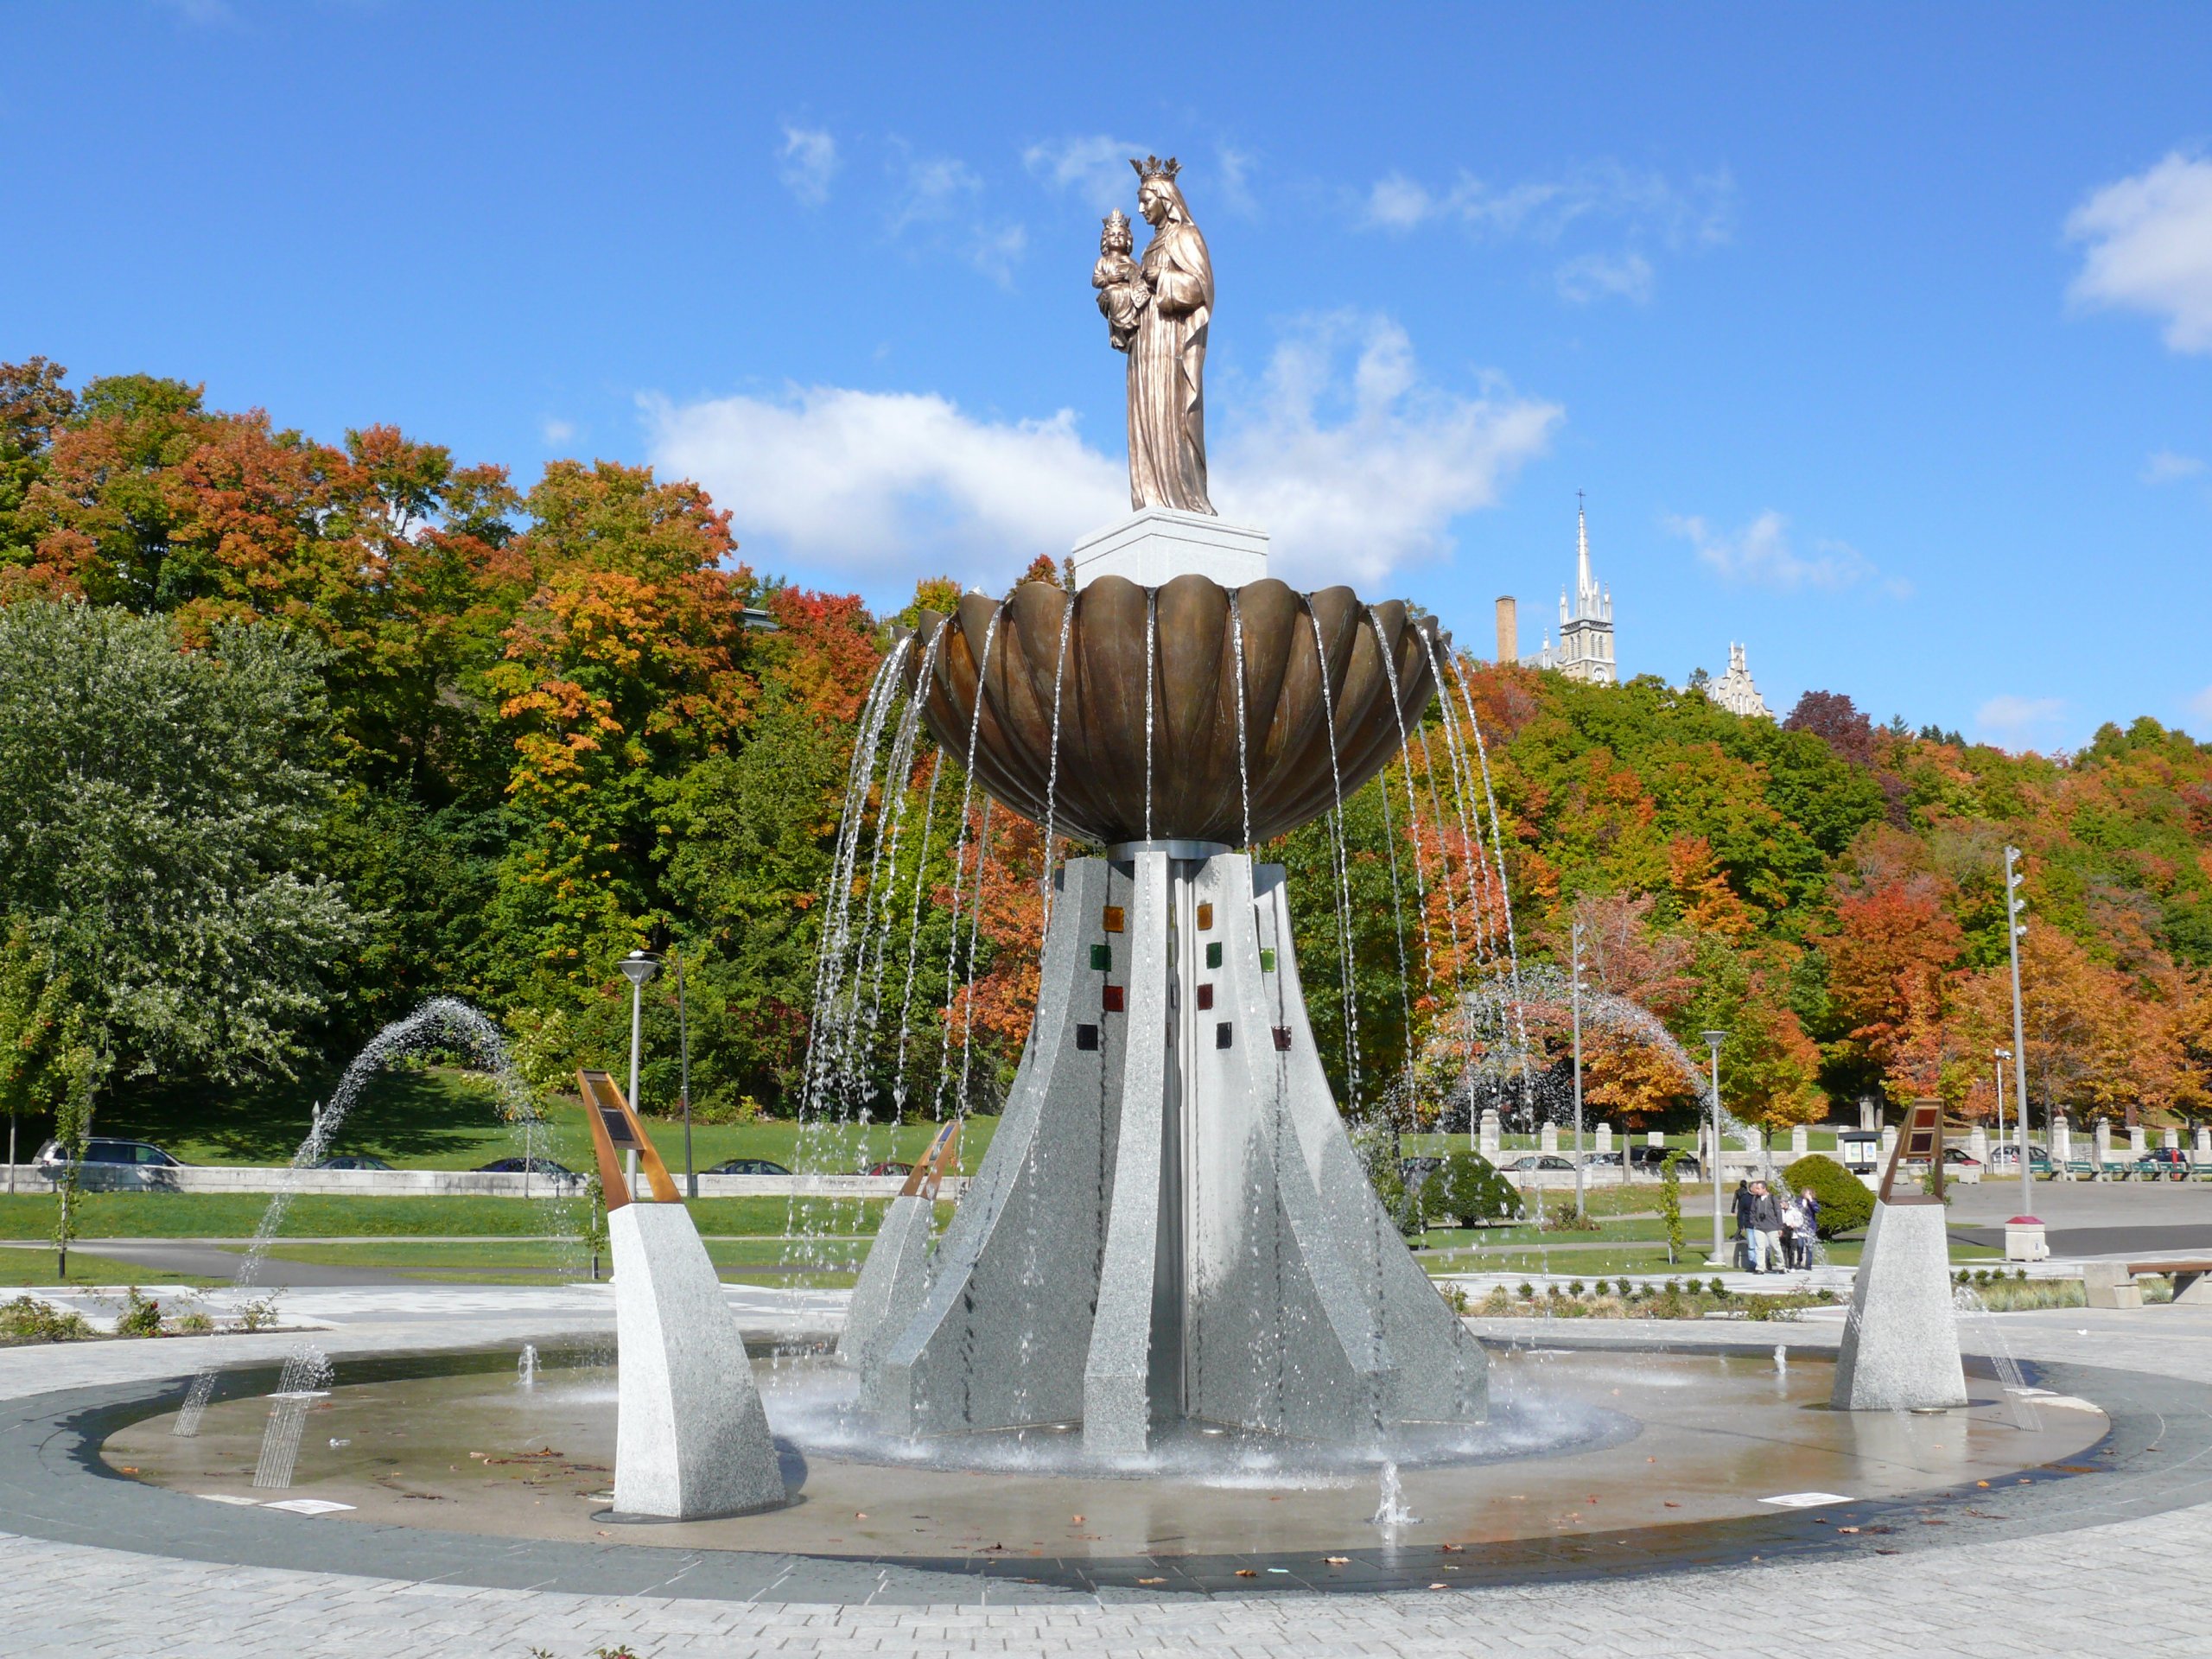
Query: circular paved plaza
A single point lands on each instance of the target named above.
(2103, 1553)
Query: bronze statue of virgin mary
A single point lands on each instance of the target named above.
(1167, 355)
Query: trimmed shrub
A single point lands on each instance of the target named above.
(1466, 1188)
(1845, 1205)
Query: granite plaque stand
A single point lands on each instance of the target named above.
(1170, 1223)
(1900, 1348)
(691, 1438)
(895, 1276)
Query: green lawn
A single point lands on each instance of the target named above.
(828, 1260)
(236, 1215)
(439, 1117)
(21, 1266)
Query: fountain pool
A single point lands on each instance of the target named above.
(1669, 1455)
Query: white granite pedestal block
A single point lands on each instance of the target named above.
(1154, 546)
(891, 1283)
(1901, 1341)
(691, 1439)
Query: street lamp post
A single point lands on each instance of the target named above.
(683, 1076)
(637, 968)
(1575, 998)
(2001, 1055)
(2014, 879)
(1712, 1041)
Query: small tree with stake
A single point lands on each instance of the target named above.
(1670, 1204)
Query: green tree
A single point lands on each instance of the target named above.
(157, 810)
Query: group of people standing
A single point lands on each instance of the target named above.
(1774, 1235)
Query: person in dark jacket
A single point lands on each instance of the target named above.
(1765, 1229)
(1743, 1207)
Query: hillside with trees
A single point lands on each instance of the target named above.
(296, 734)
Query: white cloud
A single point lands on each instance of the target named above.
(1597, 276)
(1236, 166)
(934, 188)
(1630, 209)
(810, 158)
(556, 431)
(939, 205)
(206, 14)
(1357, 469)
(2018, 721)
(1543, 210)
(1354, 466)
(1763, 555)
(1396, 203)
(870, 482)
(2149, 248)
(2164, 467)
(1094, 168)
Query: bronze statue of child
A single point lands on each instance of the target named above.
(1122, 295)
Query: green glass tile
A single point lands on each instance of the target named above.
(1213, 954)
(1101, 956)
(1267, 961)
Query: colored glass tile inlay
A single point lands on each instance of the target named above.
(1206, 996)
(1101, 956)
(1113, 919)
(1113, 999)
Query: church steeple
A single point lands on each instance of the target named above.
(1589, 600)
(1587, 630)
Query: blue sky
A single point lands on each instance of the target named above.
(1880, 337)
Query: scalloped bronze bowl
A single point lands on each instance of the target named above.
(1376, 659)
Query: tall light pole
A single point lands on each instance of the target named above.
(637, 968)
(2002, 1055)
(683, 1076)
(1712, 1041)
(2014, 927)
(1575, 999)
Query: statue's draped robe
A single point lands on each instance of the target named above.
(1167, 437)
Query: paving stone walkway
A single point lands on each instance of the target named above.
(2134, 1587)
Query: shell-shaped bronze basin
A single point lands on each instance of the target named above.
(1378, 677)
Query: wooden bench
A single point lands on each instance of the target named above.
(2112, 1284)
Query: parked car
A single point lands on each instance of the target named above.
(2007, 1157)
(2171, 1162)
(1539, 1160)
(110, 1163)
(889, 1167)
(1960, 1155)
(1603, 1161)
(533, 1166)
(351, 1160)
(747, 1166)
(1650, 1158)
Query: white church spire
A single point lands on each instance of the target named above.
(1587, 597)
